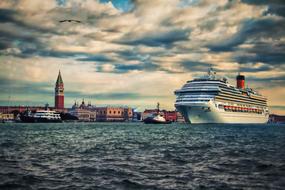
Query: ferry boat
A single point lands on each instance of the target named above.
(211, 99)
(41, 116)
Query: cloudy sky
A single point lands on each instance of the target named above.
(137, 52)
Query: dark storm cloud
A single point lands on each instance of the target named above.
(122, 96)
(14, 17)
(128, 54)
(276, 7)
(96, 58)
(3, 45)
(145, 65)
(145, 61)
(9, 37)
(258, 69)
(80, 56)
(107, 96)
(273, 54)
(25, 37)
(264, 2)
(252, 30)
(10, 86)
(21, 41)
(7, 15)
(265, 57)
(273, 81)
(116, 96)
(38, 49)
(165, 39)
(62, 54)
(191, 65)
(135, 54)
(125, 68)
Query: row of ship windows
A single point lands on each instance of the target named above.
(232, 92)
(197, 96)
(198, 93)
(234, 99)
(210, 89)
(211, 85)
(240, 101)
(253, 95)
(205, 83)
(181, 100)
(205, 88)
(239, 98)
(48, 116)
(240, 109)
(200, 85)
(206, 95)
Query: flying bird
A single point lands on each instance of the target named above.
(70, 20)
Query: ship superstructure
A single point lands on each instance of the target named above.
(41, 116)
(211, 99)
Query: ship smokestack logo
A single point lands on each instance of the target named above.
(240, 81)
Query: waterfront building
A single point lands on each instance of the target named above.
(83, 112)
(6, 117)
(10, 109)
(109, 113)
(137, 116)
(59, 93)
(170, 115)
(21, 109)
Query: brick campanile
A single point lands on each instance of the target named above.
(59, 93)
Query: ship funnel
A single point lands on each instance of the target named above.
(240, 81)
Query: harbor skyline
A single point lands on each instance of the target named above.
(137, 52)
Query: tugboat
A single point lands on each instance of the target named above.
(41, 116)
(156, 118)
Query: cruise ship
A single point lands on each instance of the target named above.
(211, 99)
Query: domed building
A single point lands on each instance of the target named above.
(83, 112)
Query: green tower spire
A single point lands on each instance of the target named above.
(59, 79)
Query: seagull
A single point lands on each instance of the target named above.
(78, 21)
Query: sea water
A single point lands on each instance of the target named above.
(141, 156)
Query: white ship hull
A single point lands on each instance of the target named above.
(207, 112)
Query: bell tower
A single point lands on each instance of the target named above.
(59, 93)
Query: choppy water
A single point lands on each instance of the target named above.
(139, 156)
